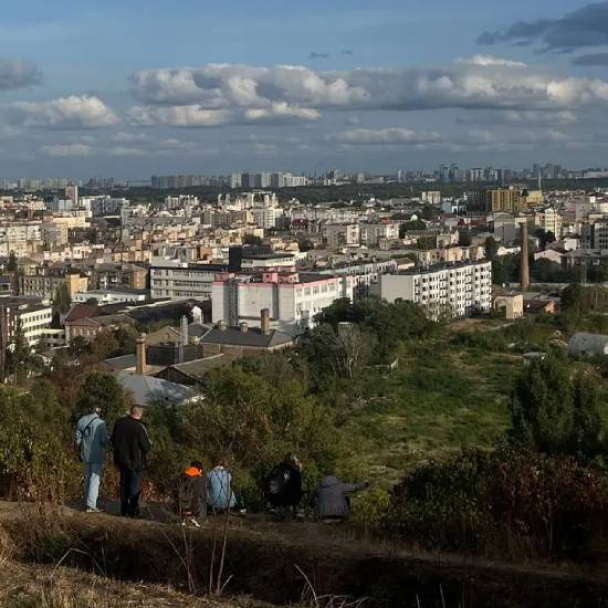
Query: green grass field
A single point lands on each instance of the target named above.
(449, 393)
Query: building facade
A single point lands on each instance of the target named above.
(455, 291)
(292, 299)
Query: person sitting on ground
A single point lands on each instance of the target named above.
(332, 498)
(220, 495)
(283, 487)
(191, 494)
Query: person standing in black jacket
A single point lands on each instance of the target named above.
(131, 445)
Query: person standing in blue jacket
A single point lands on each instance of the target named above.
(92, 438)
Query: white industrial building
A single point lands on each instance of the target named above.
(455, 290)
(292, 299)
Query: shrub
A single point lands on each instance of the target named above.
(514, 502)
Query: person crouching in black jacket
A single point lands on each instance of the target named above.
(131, 445)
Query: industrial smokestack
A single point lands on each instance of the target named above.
(525, 265)
(265, 321)
(183, 337)
(141, 365)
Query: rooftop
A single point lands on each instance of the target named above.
(253, 337)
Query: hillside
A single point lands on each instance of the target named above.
(139, 563)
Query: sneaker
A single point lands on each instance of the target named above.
(93, 510)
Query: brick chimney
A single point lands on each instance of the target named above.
(140, 367)
(525, 264)
(265, 321)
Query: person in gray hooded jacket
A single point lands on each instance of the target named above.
(332, 498)
(92, 439)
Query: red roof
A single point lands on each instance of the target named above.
(82, 311)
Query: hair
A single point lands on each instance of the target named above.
(136, 410)
(197, 464)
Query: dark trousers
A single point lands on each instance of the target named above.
(130, 490)
(198, 497)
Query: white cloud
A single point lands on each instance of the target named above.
(480, 82)
(391, 136)
(178, 116)
(73, 112)
(490, 60)
(281, 112)
(478, 139)
(197, 116)
(67, 150)
(216, 86)
(530, 118)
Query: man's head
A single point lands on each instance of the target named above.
(197, 464)
(293, 460)
(136, 412)
(97, 409)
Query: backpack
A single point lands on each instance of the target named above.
(277, 481)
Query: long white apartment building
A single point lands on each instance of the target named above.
(176, 280)
(35, 323)
(455, 290)
(33, 320)
(292, 299)
(364, 273)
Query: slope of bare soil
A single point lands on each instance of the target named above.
(282, 563)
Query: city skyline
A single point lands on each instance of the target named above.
(139, 90)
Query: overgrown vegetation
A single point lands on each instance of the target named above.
(375, 391)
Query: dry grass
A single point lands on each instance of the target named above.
(25, 586)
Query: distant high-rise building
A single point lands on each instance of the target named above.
(235, 180)
(71, 193)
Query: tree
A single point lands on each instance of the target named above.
(306, 245)
(12, 262)
(464, 238)
(103, 391)
(556, 410)
(252, 239)
(126, 335)
(21, 362)
(416, 224)
(345, 349)
(428, 212)
(62, 300)
(573, 299)
(388, 323)
(491, 248)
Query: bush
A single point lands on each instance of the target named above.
(37, 458)
(506, 502)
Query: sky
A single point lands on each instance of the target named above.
(141, 87)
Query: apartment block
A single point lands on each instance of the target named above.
(45, 285)
(455, 290)
(175, 280)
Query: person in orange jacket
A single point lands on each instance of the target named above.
(191, 494)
